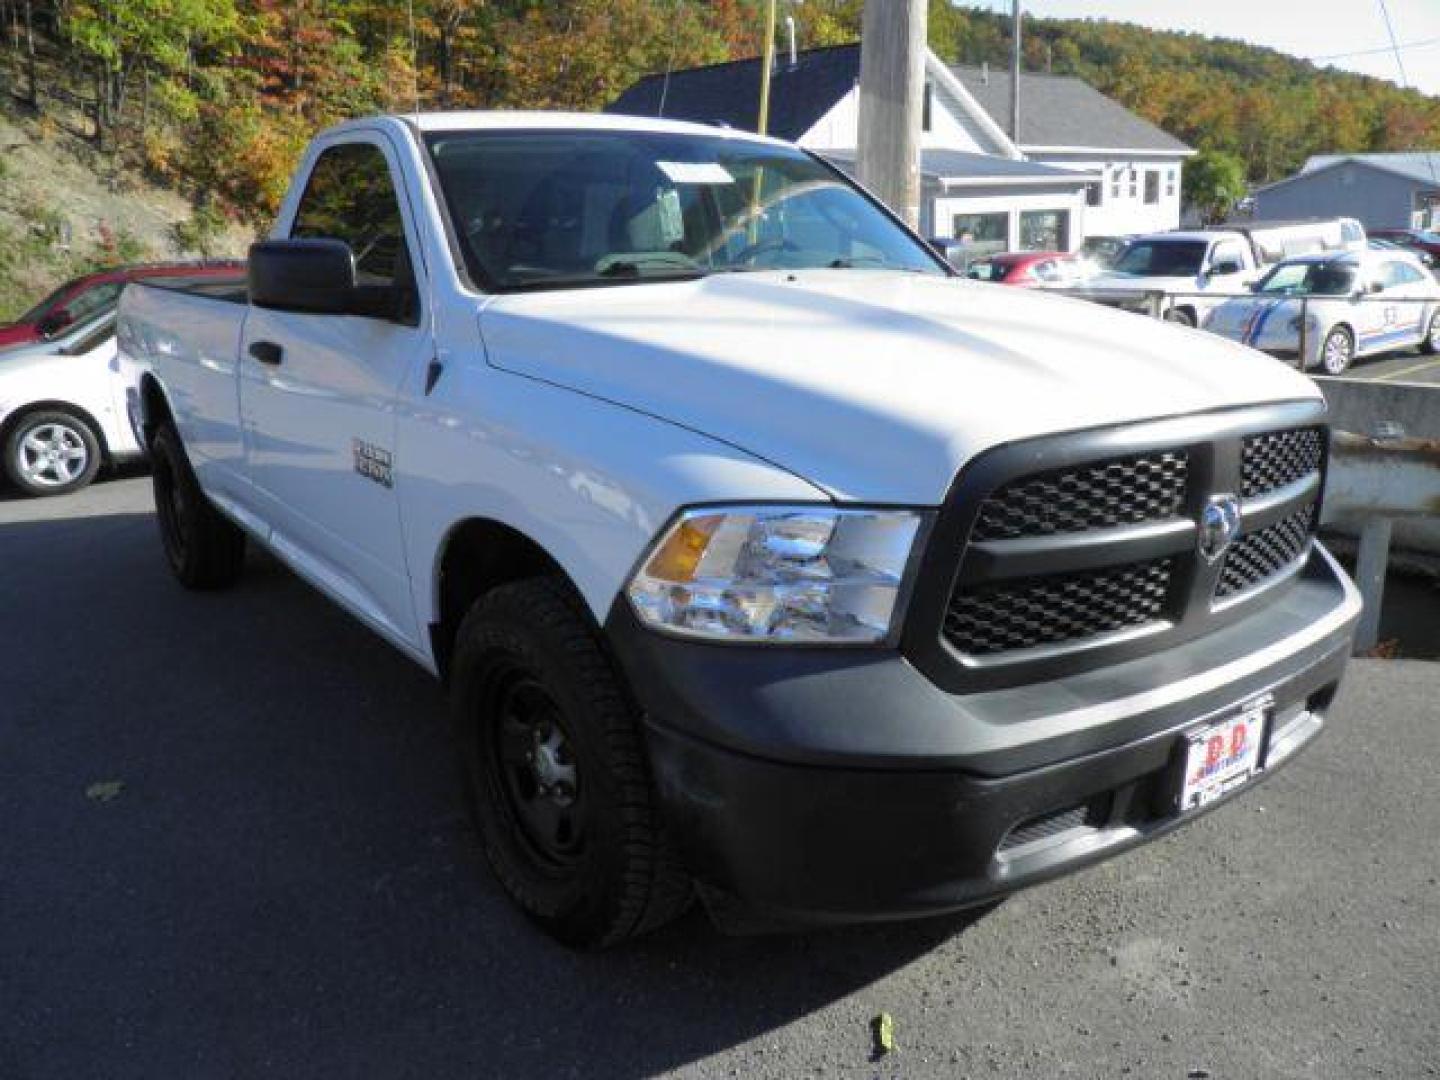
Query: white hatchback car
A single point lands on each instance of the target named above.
(66, 408)
(1351, 304)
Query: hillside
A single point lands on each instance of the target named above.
(64, 210)
(1269, 109)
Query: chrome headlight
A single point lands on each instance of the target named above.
(787, 574)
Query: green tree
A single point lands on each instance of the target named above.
(125, 42)
(1214, 182)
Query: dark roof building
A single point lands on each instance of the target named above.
(729, 94)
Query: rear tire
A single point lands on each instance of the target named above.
(1180, 317)
(556, 771)
(1337, 351)
(204, 549)
(51, 452)
(1431, 345)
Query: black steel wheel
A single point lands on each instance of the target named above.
(555, 769)
(204, 549)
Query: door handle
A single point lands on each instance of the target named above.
(267, 352)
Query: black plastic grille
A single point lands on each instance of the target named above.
(1030, 612)
(1277, 458)
(1123, 491)
(1259, 556)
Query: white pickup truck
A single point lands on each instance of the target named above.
(764, 558)
(1191, 272)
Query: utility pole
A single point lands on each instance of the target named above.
(892, 93)
(767, 65)
(1015, 75)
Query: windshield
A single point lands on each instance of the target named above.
(1308, 279)
(1162, 258)
(553, 209)
(36, 313)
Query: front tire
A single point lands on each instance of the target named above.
(51, 453)
(556, 771)
(1337, 351)
(204, 549)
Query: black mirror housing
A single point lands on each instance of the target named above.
(315, 276)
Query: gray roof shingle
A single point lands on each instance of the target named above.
(1062, 110)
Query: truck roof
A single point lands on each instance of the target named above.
(515, 120)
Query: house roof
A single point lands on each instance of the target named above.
(960, 165)
(1421, 166)
(1061, 110)
(1056, 111)
(730, 93)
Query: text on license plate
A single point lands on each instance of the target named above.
(1221, 756)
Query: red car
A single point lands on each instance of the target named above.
(1028, 269)
(87, 296)
(1415, 239)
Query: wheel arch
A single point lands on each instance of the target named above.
(57, 405)
(154, 407)
(477, 555)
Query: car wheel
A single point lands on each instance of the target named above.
(556, 772)
(1180, 316)
(1337, 351)
(51, 453)
(1431, 344)
(205, 549)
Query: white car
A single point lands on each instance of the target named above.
(1351, 305)
(66, 408)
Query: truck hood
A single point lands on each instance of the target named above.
(875, 386)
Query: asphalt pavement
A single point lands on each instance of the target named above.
(232, 845)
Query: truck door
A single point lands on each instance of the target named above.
(317, 394)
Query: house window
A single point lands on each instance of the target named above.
(981, 234)
(1170, 183)
(1152, 187)
(927, 107)
(1115, 187)
(1095, 194)
(1045, 230)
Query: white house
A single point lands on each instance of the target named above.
(1084, 165)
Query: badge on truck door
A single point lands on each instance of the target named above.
(373, 463)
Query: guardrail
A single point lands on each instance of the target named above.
(1172, 304)
(1384, 482)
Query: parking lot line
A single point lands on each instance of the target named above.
(1409, 370)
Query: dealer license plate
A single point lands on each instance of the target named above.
(1221, 756)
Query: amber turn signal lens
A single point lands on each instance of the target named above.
(679, 556)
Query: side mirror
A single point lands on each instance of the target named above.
(1229, 266)
(1373, 287)
(317, 277)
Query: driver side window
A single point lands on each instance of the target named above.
(351, 197)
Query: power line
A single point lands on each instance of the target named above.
(1404, 79)
(1394, 45)
(1407, 46)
